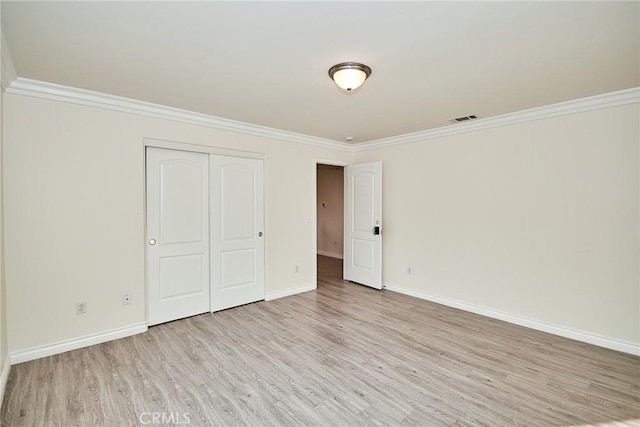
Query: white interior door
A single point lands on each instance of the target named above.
(237, 226)
(363, 224)
(177, 234)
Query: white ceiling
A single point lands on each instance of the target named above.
(266, 62)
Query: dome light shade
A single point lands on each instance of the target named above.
(349, 75)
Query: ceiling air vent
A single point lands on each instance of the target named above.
(464, 118)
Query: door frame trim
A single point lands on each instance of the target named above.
(199, 148)
(314, 220)
(205, 149)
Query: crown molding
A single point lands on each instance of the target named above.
(55, 92)
(51, 91)
(608, 100)
(8, 71)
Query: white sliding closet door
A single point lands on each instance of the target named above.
(237, 226)
(177, 234)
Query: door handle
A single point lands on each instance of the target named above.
(376, 230)
(152, 242)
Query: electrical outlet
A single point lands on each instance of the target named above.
(408, 270)
(81, 307)
(126, 298)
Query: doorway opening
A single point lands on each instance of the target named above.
(361, 236)
(330, 214)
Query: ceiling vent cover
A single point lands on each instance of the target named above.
(464, 118)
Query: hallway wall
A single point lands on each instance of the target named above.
(330, 216)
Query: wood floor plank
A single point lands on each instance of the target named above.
(343, 355)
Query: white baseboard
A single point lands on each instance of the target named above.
(291, 291)
(4, 377)
(611, 343)
(330, 254)
(73, 344)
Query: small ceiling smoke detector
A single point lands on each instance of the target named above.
(349, 139)
(463, 118)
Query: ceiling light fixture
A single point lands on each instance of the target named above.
(349, 75)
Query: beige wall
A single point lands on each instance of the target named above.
(538, 220)
(330, 196)
(75, 215)
(3, 312)
(4, 351)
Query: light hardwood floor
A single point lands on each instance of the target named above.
(344, 355)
